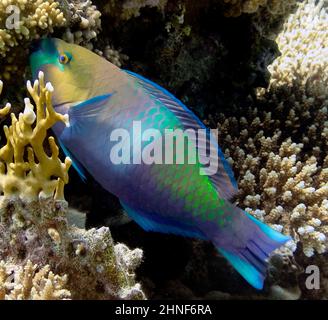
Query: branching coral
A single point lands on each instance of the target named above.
(29, 283)
(304, 47)
(40, 175)
(34, 16)
(34, 229)
(279, 150)
(278, 181)
(85, 23)
(34, 19)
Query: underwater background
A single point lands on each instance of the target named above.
(255, 69)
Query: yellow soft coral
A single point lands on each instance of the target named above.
(25, 167)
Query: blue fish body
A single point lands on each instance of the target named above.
(170, 198)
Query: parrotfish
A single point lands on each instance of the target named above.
(176, 197)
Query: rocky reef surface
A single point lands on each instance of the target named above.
(255, 69)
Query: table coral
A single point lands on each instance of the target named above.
(279, 149)
(35, 235)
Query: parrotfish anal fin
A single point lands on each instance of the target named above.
(222, 178)
(161, 224)
(75, 163)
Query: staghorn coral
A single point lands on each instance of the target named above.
(28, 283)
(34, 228)
(35, 19)
(279, 149)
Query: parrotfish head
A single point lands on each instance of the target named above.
(76, 73)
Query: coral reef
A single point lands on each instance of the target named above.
(35, 236)
(279, 149)
(84, 23)
(34, 19)
(214, 55)
(28, 283)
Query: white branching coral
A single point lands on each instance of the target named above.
(28, 282)
(304, 47)
(279, 149)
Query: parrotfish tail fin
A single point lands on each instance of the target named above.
(247, 244)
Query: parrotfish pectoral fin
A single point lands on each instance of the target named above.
(93, 102)
(249, 256)
(162, 224)
(79, 115)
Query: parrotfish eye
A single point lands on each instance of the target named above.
(65, 58)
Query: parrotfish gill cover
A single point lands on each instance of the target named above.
(170, 198)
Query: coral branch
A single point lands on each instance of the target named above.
(38, 174)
